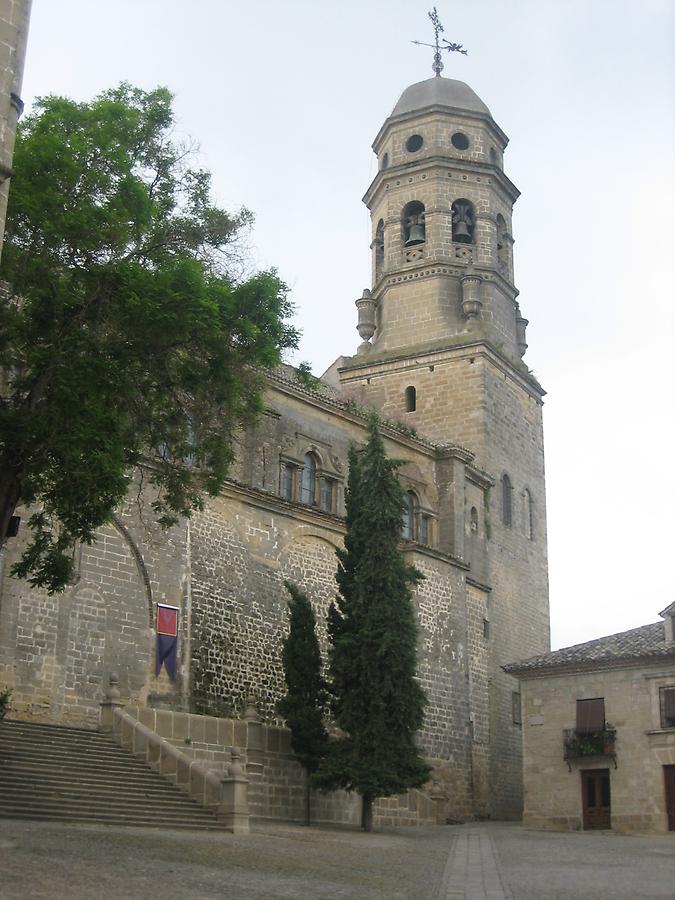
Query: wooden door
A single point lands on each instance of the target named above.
(669, 780)
(595, 798)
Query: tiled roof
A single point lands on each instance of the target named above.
(645, 641)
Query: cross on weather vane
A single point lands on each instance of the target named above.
(451, 48)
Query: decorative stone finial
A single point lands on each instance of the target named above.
(113, 692)
(521, 327)
(235, 767)
(471, 302)
(366, 323)
(251, 711)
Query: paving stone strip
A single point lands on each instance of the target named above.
(472, 872)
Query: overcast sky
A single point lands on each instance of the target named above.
(285, 98)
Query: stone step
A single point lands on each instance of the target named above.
(209, 824)
(181, 805)
(85, 786)
(57, 773)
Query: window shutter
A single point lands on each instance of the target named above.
(591, 714)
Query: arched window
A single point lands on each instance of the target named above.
(308, 480)
(473, 520)
(408, 526)
(528, 512)
(424, 531)
(506, 500)
(410, 399)
(379, 250)
(463, 221)
(412, 225)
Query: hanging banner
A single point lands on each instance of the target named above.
(167, 639)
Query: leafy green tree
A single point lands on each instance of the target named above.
(128, 335)
(378, 704)
(305, 702)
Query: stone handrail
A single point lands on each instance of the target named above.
(226, 797)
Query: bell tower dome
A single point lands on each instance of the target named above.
(441, 210)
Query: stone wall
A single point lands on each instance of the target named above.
(276, 789)
(54, 650)
(14, 18)
(631, 694)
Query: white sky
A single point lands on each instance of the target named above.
(285, 98)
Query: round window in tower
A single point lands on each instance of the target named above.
(460, 141)
(414, 143)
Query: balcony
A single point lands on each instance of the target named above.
(587, 744)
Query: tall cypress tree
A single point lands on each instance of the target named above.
(377, 703)
(306, 697)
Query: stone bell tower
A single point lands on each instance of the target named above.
(442, 344)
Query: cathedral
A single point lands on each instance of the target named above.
(440, 359)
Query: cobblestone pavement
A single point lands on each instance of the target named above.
(473, 862)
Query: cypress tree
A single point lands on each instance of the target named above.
(305, 701)
(377, 702)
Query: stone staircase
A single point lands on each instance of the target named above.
(50, 772)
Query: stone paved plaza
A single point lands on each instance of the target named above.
(475, 862)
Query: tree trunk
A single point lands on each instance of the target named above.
(366, 813)
(308, 800)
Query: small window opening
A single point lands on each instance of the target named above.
(308, 480)
(379, 250)
(414, 143)
(502, 249)
(424, 530)
(667, 705)
(414, 228)
(460, 141)
(516, 708)
(408, 526)
(410, 399)
(486, 628)
(529, 518)
(327, 494)
(493, 156)
(473, 520)
(287, 481)
(463, 221)
(506, 500)
(385, 160)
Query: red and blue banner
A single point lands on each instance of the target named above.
(167, 639)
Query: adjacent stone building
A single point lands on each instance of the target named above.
(441, 361)
(598, 725)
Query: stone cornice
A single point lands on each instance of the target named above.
(478, 584)
(502, 181)
(313, 516)
(433, 109)
(420, 271)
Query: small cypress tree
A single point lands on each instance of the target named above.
(377, 703)
(305, 702)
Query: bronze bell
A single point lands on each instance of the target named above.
(415, 235)
(462, 233)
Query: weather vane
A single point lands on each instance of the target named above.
(451, 48)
